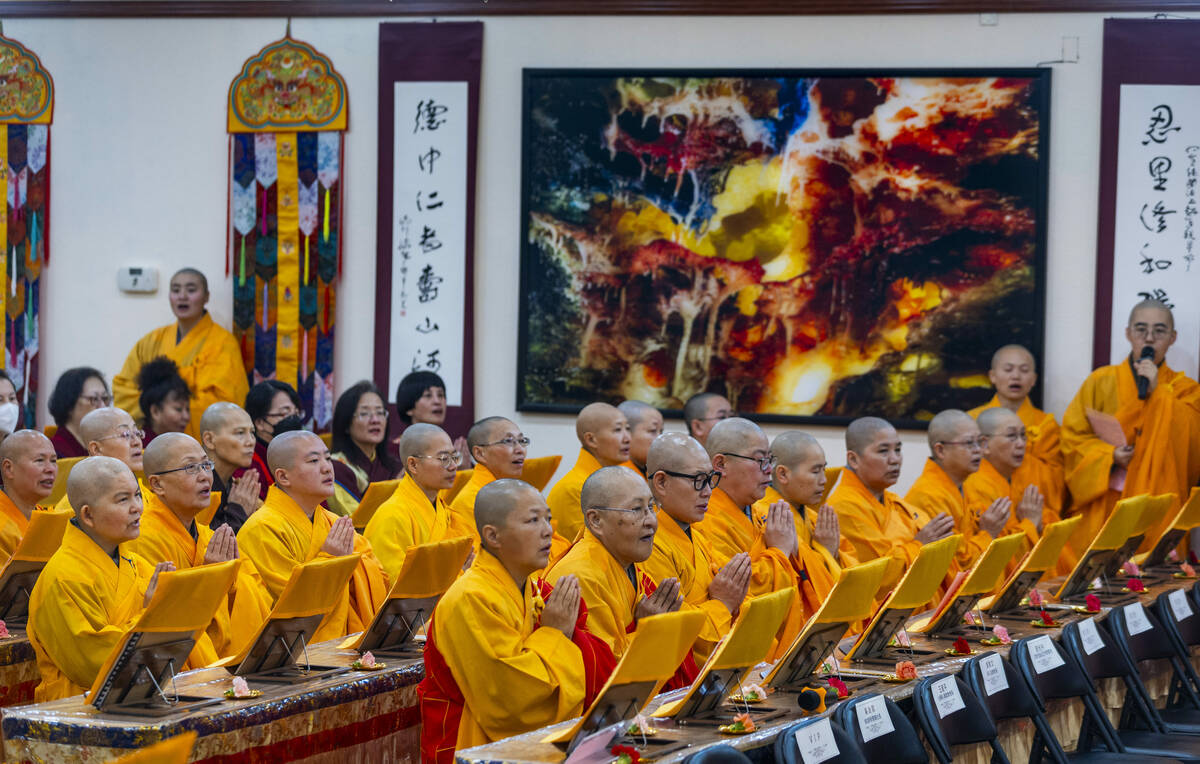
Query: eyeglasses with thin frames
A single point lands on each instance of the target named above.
(132, 436)
(99, 401)
(1142, 332)
(190, 469)
(971, 445)
(510, 442)
(638, 513)
(449, 460)
(699, 480)
(366, 416)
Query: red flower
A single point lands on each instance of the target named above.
(626, 754)
(1135, 585)
(1093, 603)
(962, 647)
(1046, 619)
(838, 685)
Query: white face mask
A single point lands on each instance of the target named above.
(9, 412)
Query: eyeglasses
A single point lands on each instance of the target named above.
(971, 445)
(765, 463)
(97, 400)
(366, 416)
(190, 469)
(449, 459)
(699, 480)
(1142, 332)
(509, 442)
(638, 513)
(132, 436)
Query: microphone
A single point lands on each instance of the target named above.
(1143, 384)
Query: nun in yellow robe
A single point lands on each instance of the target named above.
(409, 518)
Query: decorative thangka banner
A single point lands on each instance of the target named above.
(26, 108)
(287, 111)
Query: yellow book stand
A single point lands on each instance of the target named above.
(1041, 558)
(982, 579)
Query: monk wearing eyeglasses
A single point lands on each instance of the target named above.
(110, 432)
(415, 513)
(682, 481)
(499, 449)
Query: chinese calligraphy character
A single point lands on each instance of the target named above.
(429, 115)
(427, 326)
(1150, 265)
(1159, 213)
(430, 204)
(429, 240)
(425, 161)
(432, 362)
(1159, 167)
(1157, 294)
(427, 284)
(1161, 119)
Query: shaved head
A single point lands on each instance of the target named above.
(731, 435)
(485, 430)
(29, 467)
(1019, 352)
(218, 416)
(993, 420)
(499, 499)
(864, 431)
(102, 423)
(163, 452)
(701, 411)
(92, 478)
(628, 535)
(21, 443)
(191, 272)
(1153, 305)
(595, 417)
(674, 452)
(799, 475)
(417, 439)
(636, 411)
(286, 449)
(513, 522)
(945, 427)
(793, 447)
(604, 432)
(607, 486)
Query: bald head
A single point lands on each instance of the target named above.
(604, 432)
(93, 478)
(794, 447)
(799, 475)
(595, 417)
(946, 426)
(23, 443)
(191, 273)
(418, 439)
(111, 432)
(102, 423)
(732, 436)
(627, 535)
(498, 499)
(675, 452)
(1003, 439)
(1014, 352)
(955, 444)
(992, 421)
(702, 411)
(645, 424)
(636, 411)
(487, 430)
(672, 466)
(219, 416)
(607, 486)
(514, 525)
(29, 467)
(873, 453)
(1154, 305)
(287, 449)
(164, 451)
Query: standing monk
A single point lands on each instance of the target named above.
(1013, 374)
(956, 449)
(207, 355)
(494, 665)
(291, 527)
(645, 424)
(702, 412)
(603, 436)
(876, 521)
(29, 467)
(1162, 428)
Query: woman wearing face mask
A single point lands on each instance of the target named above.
(77, 393)
(165, 398)
(10, 407)
(421, 399)
(274, 407)
(359, 459)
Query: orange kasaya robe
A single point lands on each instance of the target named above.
(877, 529)
(491, 669)
(163, 538)
(565, 510)
(13, 525)
(688, 557)
(408, 518)
(1164, 430)
(729, 530)
(1043, 465)
(612, 594)
(279, 536)
(934, 493)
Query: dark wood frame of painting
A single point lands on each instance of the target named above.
(1041, 207)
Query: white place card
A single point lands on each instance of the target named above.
(816, 742)
(873, 718)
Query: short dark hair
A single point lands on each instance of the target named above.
(260, 397)
(158, 380)
(411, 388)
(67, 390)
(343, 417)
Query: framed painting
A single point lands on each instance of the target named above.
(814, 245)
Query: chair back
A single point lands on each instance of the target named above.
(881, 730)
(1138, 630)
(1000, 687)
(718, 754)
(1177, 612)
(1101, 658)
(950, 714)
(813, 732)
(1048, 677)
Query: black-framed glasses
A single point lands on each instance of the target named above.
(699, 480)
(278, 415)
(510, 442)
(765, 463)
(449, 459)
(638, 513)
(191, 469)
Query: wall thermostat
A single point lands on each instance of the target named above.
(138, 279)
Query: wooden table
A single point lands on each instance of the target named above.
(359, 716)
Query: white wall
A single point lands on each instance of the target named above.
(138, 154)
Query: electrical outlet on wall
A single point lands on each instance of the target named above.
(137, 279)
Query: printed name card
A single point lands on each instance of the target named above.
(1135, 619)
(1179, 604)
(816, 742)
(992, 668)
(1089, 636)
(1044, 655)
(946, 697)
(873, 718)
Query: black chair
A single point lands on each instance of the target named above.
(1184, 632)
(970, 724)
(787, 750)
(1182, 714)
(1107, 661)
(900, 746)
(1017, 701)
(718, 754)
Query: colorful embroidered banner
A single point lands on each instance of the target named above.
(26, 108)
(287, 111)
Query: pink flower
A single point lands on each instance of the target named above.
(367, 660)
(1173, 556)
(1130, 568)
(906, 670)
(1002, 634)
(972, 618)
(1035, 598)
(240, 688)
(902, 639)
(4, 631)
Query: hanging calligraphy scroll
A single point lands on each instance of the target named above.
(287, 111)
(1150, 169)
(26, 108)
(428, 106)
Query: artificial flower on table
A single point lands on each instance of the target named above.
(1045, 620)
(4, 630)
(241, 690)
(742, 723)
(754, 692)
(1131, 569)
(642, 727)
(1173, 556)
(839, 686)
(906, 670)
(973, 618)
(961, 647)
(1135, 585)
(1036, 599)
(1002, 634)
(1187, 570)
(1092, 603)
(367, 662)
(625, 754)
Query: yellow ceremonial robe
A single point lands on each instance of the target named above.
(163, 538)
(689, 559)
(1164, 430)
(728, 531)
(876, 529)
(80, 607)
(209, 360)
(407, 519)
(934, 493)
(1043, 464)
(13, 524)
(822, 566)
(987, 484)
(515, 676)
(565, 510)
(279, 536)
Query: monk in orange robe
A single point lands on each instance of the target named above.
(682, 481)
(1013, 374)
(956, 449)
(507, 653)
(1161, 429)
(499, 449)
(876, 521)
(603, 434)
(645, 424)
(701, 413)
(29, 467)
